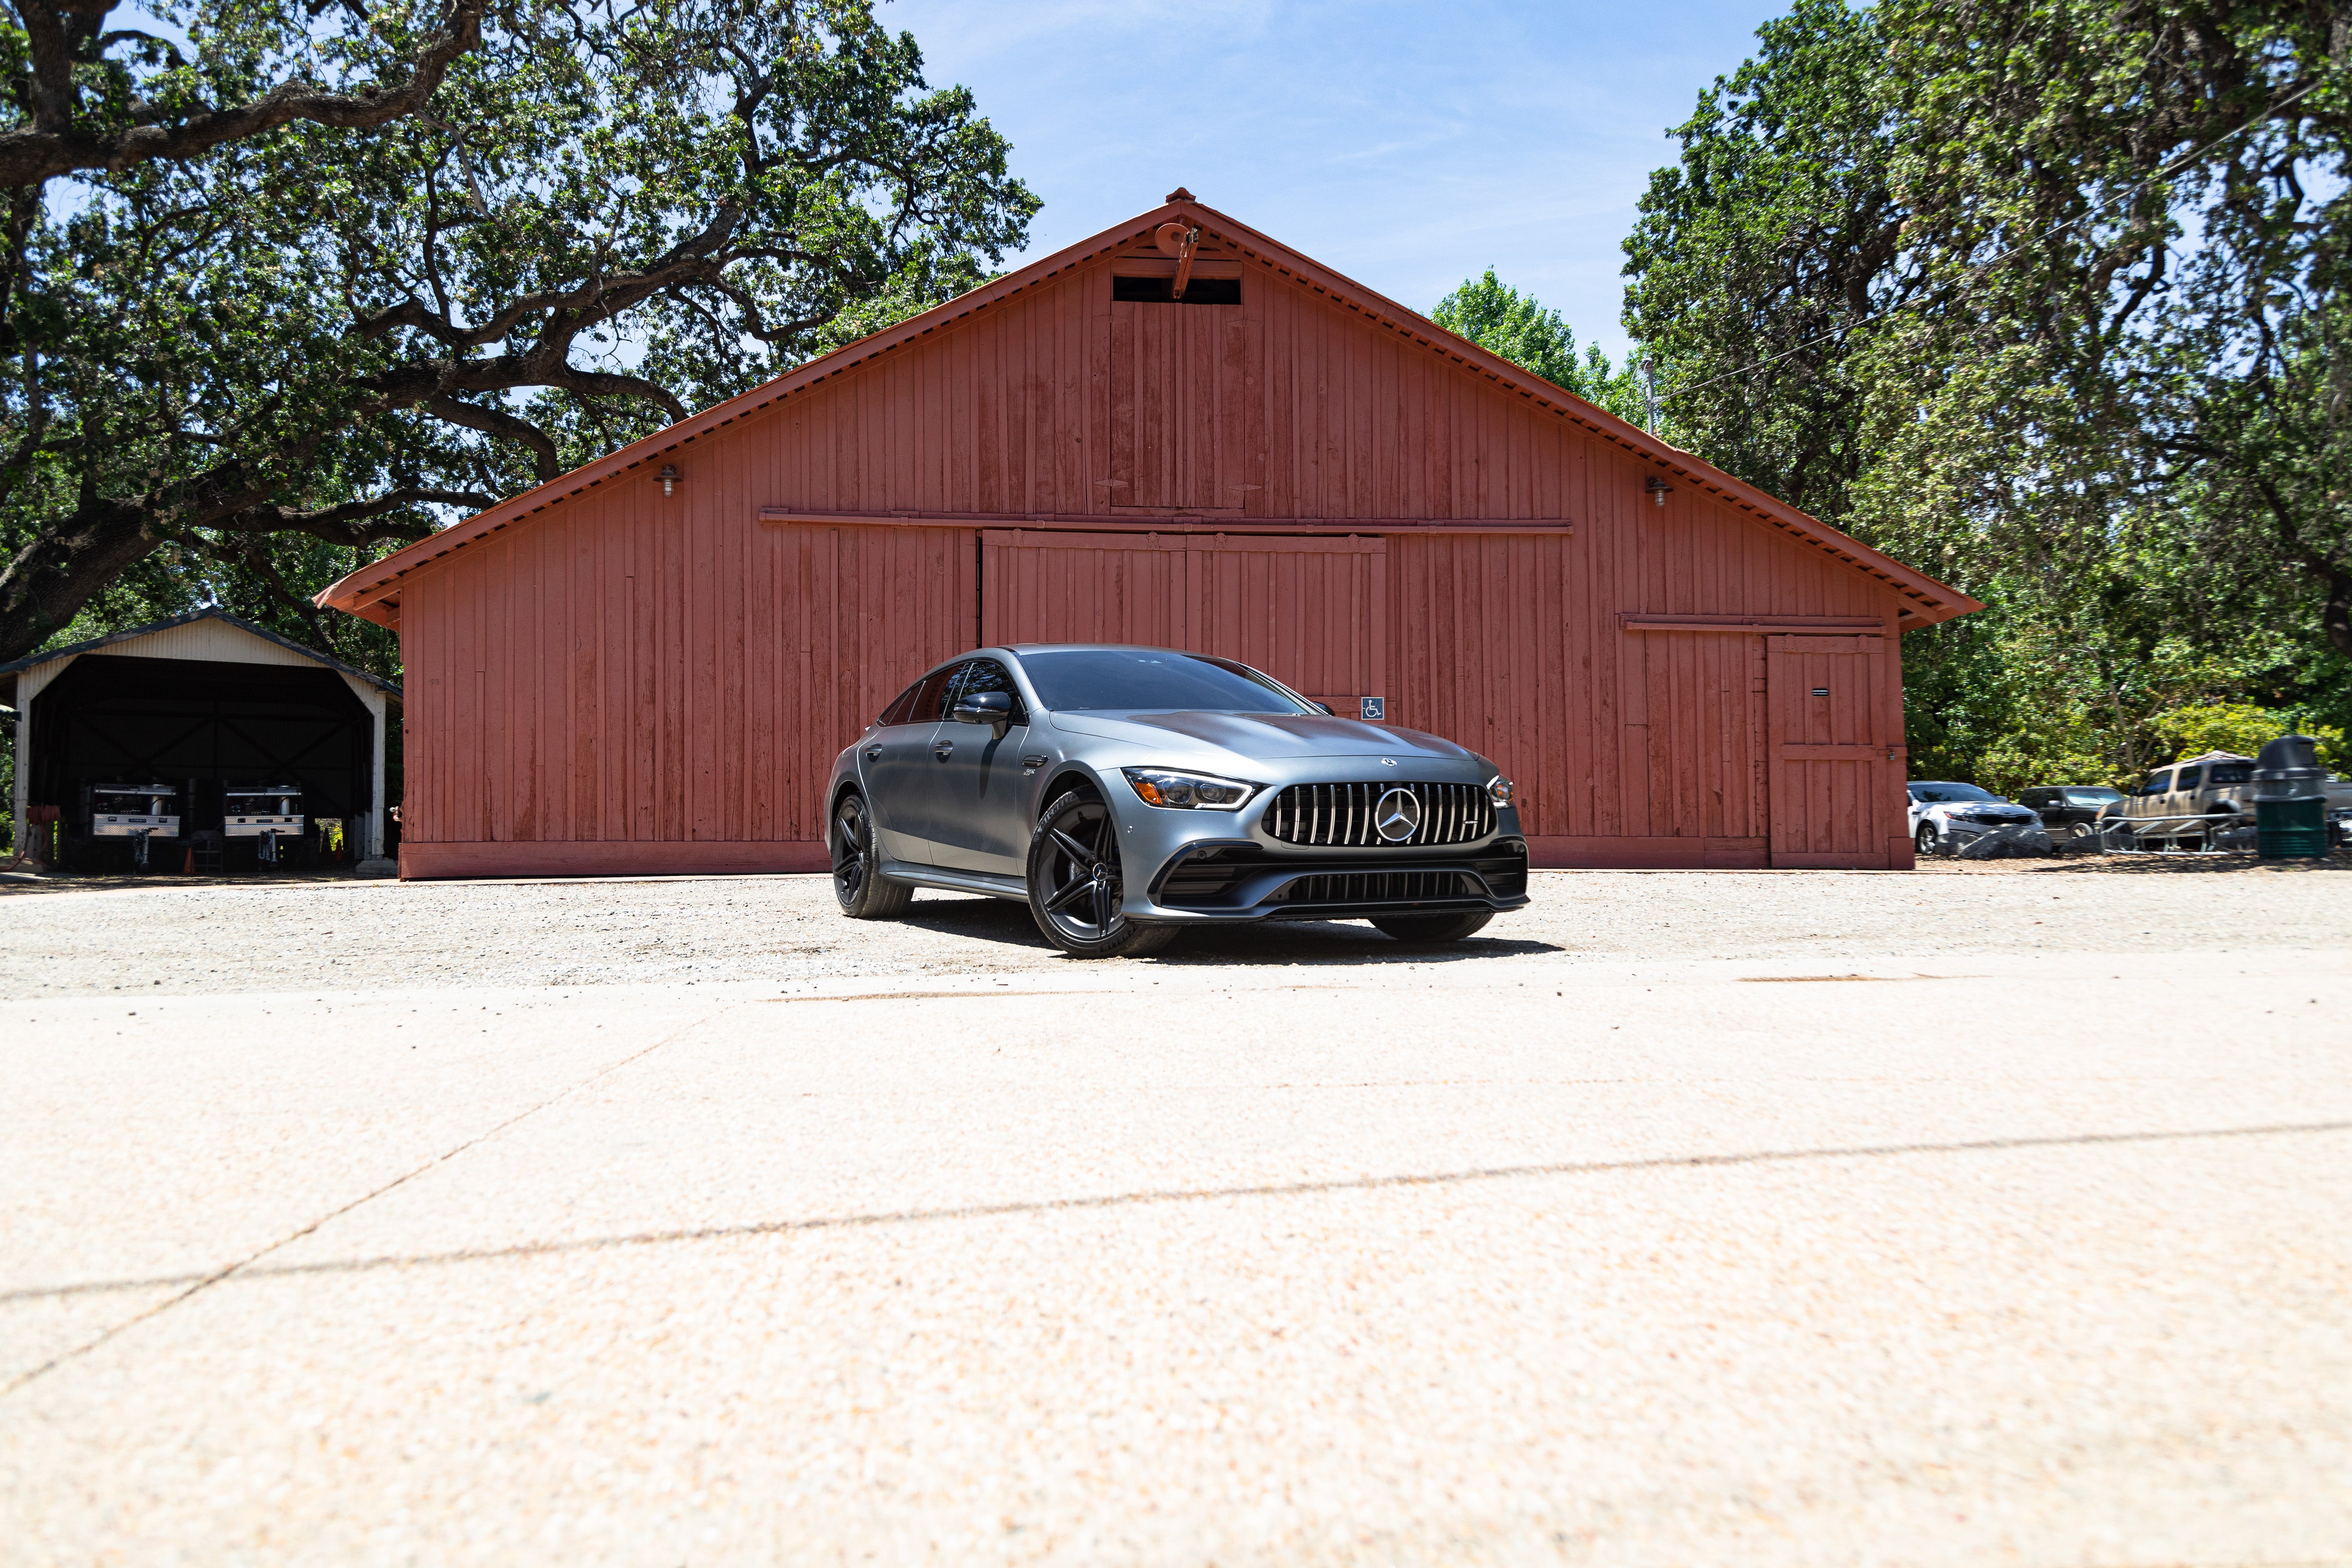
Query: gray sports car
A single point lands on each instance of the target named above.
(1127, 793)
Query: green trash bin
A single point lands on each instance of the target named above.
(2290, 800)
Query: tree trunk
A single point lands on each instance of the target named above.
(2335, 614)
(54, 577)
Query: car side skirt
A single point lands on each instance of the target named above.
(949, 879)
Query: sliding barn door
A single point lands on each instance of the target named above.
(1309, 611)
(1836, 706)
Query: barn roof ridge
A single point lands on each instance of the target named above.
(1929, 600)
(16, 666)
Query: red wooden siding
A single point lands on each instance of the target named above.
(636, 676)
(1312, 612)
(623, 682)
(1084, 587)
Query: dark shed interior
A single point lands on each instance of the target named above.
(114, 719)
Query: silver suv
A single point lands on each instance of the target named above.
(2199, 802)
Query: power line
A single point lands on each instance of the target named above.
(1980, 269)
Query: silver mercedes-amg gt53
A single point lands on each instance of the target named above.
(1128, 793)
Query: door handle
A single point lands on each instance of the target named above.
(942, 750)
(873, 753)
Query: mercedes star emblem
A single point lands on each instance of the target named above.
(1398, 816)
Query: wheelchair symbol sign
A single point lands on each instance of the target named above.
(1372, 709)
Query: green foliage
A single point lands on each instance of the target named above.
(1502, 320)
(2243, 729)
(1993, 285)
(233, 376)
(1768, 238)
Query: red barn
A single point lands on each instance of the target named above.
(648, 664)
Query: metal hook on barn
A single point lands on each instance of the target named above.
(1180, 241)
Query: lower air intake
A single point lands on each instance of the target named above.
(1378, 888)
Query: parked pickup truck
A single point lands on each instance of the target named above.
(2198, 803)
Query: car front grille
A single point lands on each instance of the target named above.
(1378, 887)
(1345, 815)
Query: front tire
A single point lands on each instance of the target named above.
(1077, 887)
(857, 880)
(1433, 928)
(1925, 839)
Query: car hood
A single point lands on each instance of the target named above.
(1267, 735)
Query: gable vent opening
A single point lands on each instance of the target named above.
(1198, 291)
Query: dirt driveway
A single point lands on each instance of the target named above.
(69, 937)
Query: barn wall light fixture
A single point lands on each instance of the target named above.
(669, 477)
(1659, 490)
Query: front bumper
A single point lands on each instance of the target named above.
(1235, 881)
(2029, 831)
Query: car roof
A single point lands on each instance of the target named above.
(1099, 647)
(1028, 648)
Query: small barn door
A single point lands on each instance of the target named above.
(1309, 611)
(1835, 709)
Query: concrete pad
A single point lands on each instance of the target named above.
(2057, 1356)
(165, 1141)
(1754, 1221)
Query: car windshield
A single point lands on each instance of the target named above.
(1078, 681)
(1941, 794)
(2092, 796)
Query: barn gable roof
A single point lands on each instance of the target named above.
(1926, 601)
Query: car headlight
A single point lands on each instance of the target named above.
(1501, 789)
(1189, 792)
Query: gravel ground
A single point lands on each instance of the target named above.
(1984, 1213)
(63, 938)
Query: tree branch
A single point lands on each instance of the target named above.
(545, 464)
(53, 145)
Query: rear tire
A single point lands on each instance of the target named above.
(1077, 885)
(1433, 928)
(864, 893)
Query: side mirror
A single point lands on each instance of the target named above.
(1324, 708)
(992, 707)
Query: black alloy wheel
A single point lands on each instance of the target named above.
(1433, 928)
(857, 881)
(1077, 887)
(1924, 840)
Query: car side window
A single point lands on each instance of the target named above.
(988, 675)
(931, 704)
(2157, 783)
(2034, 797)
(2189, 777)
(900, 706)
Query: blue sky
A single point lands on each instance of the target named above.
(1407, 146)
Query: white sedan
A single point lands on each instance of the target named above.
(1951, 818)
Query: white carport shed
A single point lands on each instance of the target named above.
(204, 698)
